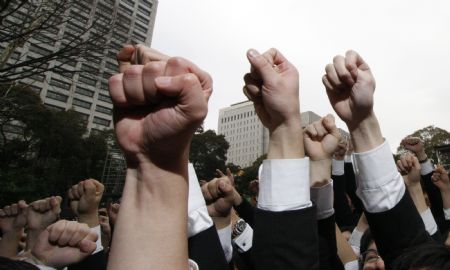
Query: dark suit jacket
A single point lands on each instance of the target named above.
(205, 249)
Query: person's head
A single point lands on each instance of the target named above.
(369, 258)
(430, 256)
(347, 231)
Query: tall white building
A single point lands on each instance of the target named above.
(87, 91)
(247, 137)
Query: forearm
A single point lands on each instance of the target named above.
(416, 193)
(286, 141)
(445, 199)
(344, 250)
(151, 228)
(367, 134)
(90, 219)
(320, 172)
(9, 244)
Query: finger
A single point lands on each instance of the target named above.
(2, 213)
(132, 85)
(22, 205)
(87, 245)
(230, 176)
(353, 62)
(405, 164)
(330, 125)
(277, 59)
(70, 195)
(206, 194)
(327, 83)
(415, 163)
(178, 66)
(144, 55)
(80, 188)
(14, 209)
(55, 204)
(220, 173)
(261, 65)
(7, 210)
(90, 188)
(225, 188)
(202, 182)
(99, 187)
(75, 192)
(68, 232)
(116, 90)
(311, 131)
(342, 71)
(124, 57)
(321, 131)
(333, 77)
(151, 71)
(400, 167)
(82, 230)
(213, 188)
(56, 230)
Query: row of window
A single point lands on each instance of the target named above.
(238, 116)
(81, 103)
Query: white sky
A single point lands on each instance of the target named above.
(405, 42)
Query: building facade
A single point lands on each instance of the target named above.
(86, 91)
(245, 133)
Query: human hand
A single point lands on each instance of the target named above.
(440, 179)
(350, 87)
(321, 138)
(42, 213)
(408, 165)
(220, 195)
(13, 218)
(64, 243)
(105, 227)
(273, 86)
(113, 212)
(161, 130)
(341, 150)
(84, 199)
(415, 145)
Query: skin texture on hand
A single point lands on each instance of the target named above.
(441, 180)
(273, 86)
(408, 165)
(219, 194)
(113, 211)
(105, 227)
(341, 150)
(84, 200)
(64, 243)
(350, 87)
(40, 214)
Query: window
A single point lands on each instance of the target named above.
(101, 121)
(39, 50)
(83, 91)
(144, 11)
(38, 77)
(111, 66)
(59, 83)
(139, 37)
(142, 19)
(146, 3)
(125, 9)
(57, 96)
(87, 80)
(103, 109)
(81, 103)
(104, 98)
(140, 27)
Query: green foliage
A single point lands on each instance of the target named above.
(208, 153)
(432, 137)
(47, 151)
(248, 174)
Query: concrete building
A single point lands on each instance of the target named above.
(247, 137)
(87, 91)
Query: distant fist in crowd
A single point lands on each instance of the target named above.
(42, 213)
(408, 165)
(220, 195)
(415, 145)
(85, 197)
(13, 217)
(321, 138)
(440, 179)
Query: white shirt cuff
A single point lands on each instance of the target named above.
(284, 185)
(380, 186)
(225, 241)
(337, 167)
(43, 267)
(355, 241)
(428, 220)
(426, 167)
(447, 214)
(323, 198)
(97, 231)
(198, 217)
(244, 240)
(348, 159)
(193, 265)
(353, 265)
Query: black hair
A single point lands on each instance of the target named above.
(365, 242)
(430, 256)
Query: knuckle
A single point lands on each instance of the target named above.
(176, 61)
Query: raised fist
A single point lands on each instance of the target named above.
(85, 197)
(42, 213)
(415, 145)
(13, 217)
(350, 87)
(113, 212)
(321, 138)
(64, 243)
(273, 86)
(440, 178)
(341, 150)
(159, 129)
(408, 165)
(219, 195)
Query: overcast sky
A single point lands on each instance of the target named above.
(405, 42)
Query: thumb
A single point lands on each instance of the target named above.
(329, 124)
(230, 176)
(415, 163)
(225, 188)
(261, 65)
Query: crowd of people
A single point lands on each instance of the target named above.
(323, 201)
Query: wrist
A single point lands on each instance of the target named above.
(286, 141)
(90, 219)
(422, 157)
(222, 222)
(320, 172)
(366, 135)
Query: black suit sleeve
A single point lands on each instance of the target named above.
(97, 261)
(343, 212)
(350, 186)
(435, 197)
(397, 229)
(285, 240)
(205, 249)
(328, 258)
(246, 211)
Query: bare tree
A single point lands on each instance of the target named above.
(61, 32)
